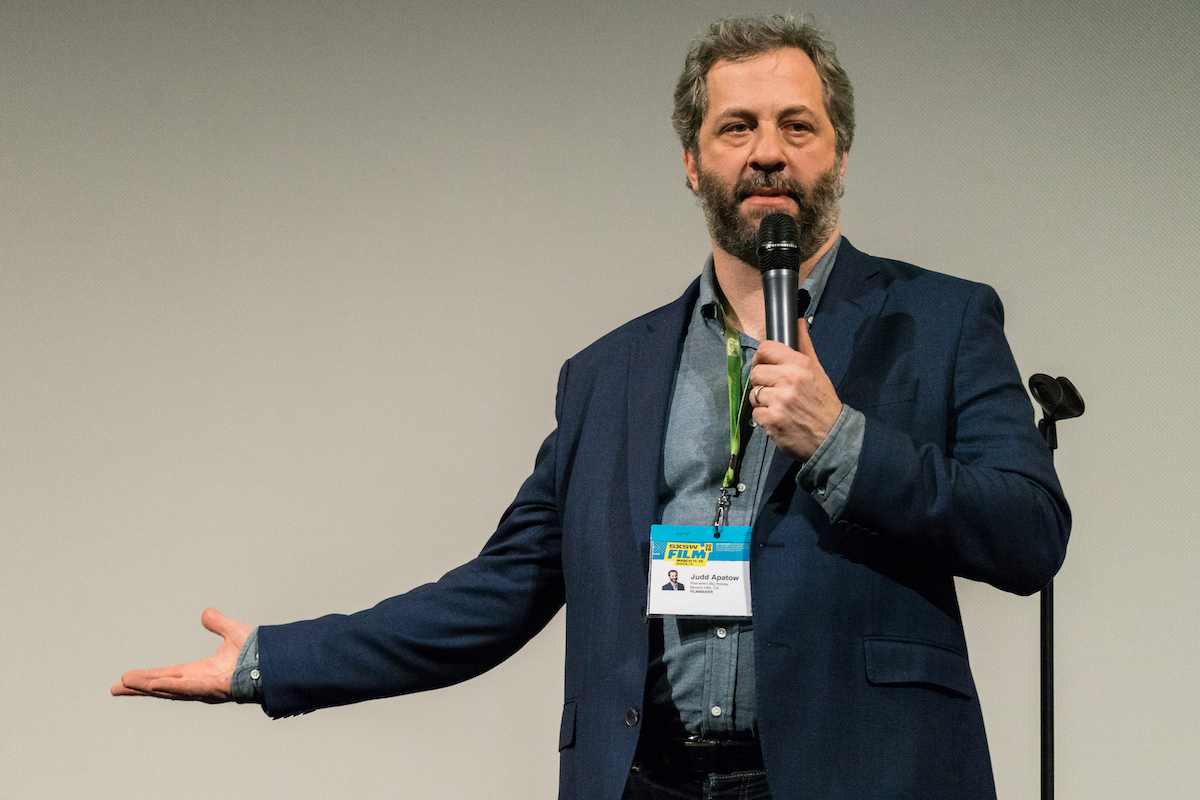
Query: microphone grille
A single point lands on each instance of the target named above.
(778, 243)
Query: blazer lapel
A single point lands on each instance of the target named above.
(653, 360)
(852, 296)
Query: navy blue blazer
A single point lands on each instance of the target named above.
(862, 679)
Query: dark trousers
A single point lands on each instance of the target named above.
(643, 785)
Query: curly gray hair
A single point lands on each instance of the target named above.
(745, 37)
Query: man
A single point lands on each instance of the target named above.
(673, 584)
(871, 475)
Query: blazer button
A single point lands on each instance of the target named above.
(631, 717)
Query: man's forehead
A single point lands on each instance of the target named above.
(784, 69)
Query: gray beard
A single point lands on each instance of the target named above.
(816, 219)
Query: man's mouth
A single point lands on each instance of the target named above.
(766, 194)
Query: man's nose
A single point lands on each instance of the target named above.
(767, 155)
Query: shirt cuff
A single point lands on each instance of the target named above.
(246, 683)
(829, 474)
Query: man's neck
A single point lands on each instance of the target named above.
(740, 285)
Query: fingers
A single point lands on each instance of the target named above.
(190, 695)
(770, 365)
(201, 681)
(773, 354)
(133, 686)
(774, 361)
(138, 678)
(145, 681)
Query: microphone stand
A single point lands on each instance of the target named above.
(1059, 399)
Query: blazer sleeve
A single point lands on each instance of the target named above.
(438, 634)
(986, 502)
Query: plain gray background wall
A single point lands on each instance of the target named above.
(275, 275)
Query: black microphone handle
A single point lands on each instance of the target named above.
(780, 288)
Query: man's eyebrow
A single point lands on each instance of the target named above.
(799, 109)
(736, 112)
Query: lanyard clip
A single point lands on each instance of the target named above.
(723, 503)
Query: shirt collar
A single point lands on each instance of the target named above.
(814, 284)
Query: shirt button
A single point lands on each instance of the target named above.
(753, 424)
(741, 487)
(716, 711)
(254, 674)
(721, 633)
(631, 717)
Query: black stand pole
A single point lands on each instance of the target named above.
(1059, 400)
(1047, 598)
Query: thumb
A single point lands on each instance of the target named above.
(216, 622)
(803, 341)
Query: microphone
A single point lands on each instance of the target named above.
(779, 262)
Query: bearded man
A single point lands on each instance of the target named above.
(893, 451)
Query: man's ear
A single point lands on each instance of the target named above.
(692, 166)
(845, 158)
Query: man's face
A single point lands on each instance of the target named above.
(673, 576)
(766, 146)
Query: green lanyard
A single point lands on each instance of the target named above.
(739, 397)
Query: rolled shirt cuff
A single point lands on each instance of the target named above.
(829, 474)
(246, 683)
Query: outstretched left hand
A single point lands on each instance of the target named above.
(793, 400)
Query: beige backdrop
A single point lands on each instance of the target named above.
(275, 276)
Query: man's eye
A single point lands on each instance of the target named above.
(737, 127)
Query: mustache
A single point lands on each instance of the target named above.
(767, 180)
